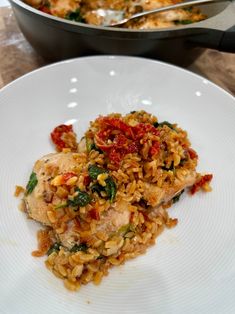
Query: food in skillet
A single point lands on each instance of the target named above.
(104, 200)
(83, 11)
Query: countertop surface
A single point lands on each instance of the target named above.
(17, 57)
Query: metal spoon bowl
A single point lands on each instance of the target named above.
(117, 18)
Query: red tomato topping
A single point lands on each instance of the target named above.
(77, 223)
(45, 9)
(120, 140)
(133, 147)
(199, 184)
(87, 180)
(117, 124)
(117, 138)
(94, 214)
(155, 148)
(141, 129)
(115, 155)
(192, 153)
(57, 133)
(66, 176)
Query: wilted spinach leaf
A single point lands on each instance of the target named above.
(81, 199)
(79, 247)
(183, 22)
(32, 183)
(94, 171)
(97, 188)
(110, 188)
(75, 16)
(177, 197)
(54, 248)
(161, 124)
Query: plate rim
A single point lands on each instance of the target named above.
(145, 59)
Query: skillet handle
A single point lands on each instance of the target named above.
(217, 32)
(214, 39)
(227, 42)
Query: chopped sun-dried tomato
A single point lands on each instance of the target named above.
(94, 214)
(57, 133)
(133, 147)
(118, 124)
(87, 180)
(155, 148)
(141, 129)
(66, 176)
(118, 139)
(199, 184)
(145, 214)
(115, 156)
(45, 9)
(192, 153)
(77, 223)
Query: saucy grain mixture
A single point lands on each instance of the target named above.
(104, 200)
(84, 11)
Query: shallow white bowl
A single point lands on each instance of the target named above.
(191, 269)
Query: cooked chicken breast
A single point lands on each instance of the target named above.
(45, 168)
(155, 196)
(110, 221)
(39, 201)
(118, 215)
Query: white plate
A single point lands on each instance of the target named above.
(192, 267)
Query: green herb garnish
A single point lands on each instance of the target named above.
(81, 247)
(32, 183)
(143, 203)
(80, 200)
(90, 145)
(177, 197)
(123, 230)
(62, 205)
(161, 124)
(47, 4)
(183, 22)
(110, 188)
(94, 171)
(54, 248)
(75, 16)
(171, 168)
(182, 162)
(101, 257)
(97, 188)
(189, 9)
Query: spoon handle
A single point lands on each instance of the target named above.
(166, 8)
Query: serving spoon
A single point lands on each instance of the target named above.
(117, 17)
